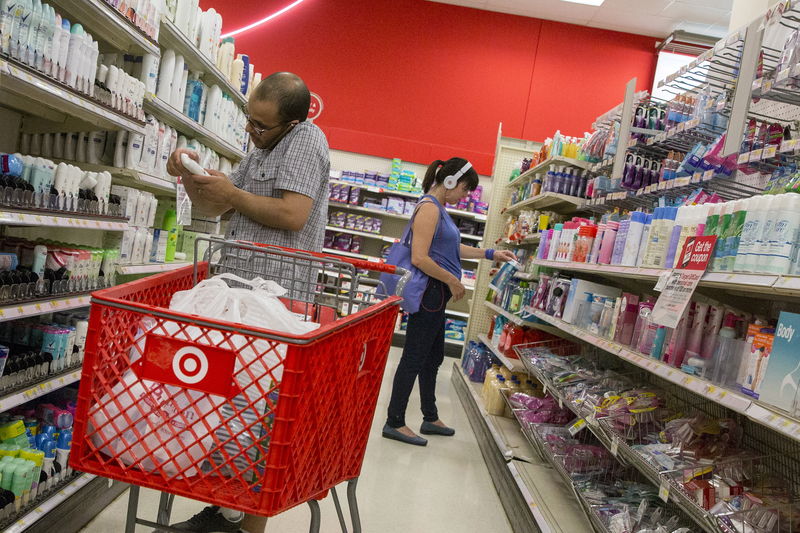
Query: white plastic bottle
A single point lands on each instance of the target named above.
(225, 56)
(73, 55)
(149, 75)
(28, 55)
(177, 78)
(63, 49)
(746, 255)
(91, 67)
(134, 154)
(237, 70)
(112, 84)
(121, 149)
(181, 94)
(212, 107)
(80, 147)
(776, 255)
(47, 145)
(46, 64)
(18, 38)
(166, 72)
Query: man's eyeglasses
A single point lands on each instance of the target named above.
(259, 129)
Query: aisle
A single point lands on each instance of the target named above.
(441, 488)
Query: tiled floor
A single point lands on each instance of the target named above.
(442, 488)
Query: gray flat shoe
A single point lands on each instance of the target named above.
(391, 433)
(429, 428)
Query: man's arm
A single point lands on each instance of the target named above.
(290, 212)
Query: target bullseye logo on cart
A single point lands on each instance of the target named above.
(188, 365)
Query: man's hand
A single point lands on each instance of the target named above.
(215, 189)
(174, 165)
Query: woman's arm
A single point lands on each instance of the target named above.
(470, 252)
(424, 228)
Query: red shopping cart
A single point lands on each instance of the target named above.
(234, 415)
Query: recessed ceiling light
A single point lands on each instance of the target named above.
(587, 2)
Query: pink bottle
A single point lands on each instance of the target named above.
(607, 247)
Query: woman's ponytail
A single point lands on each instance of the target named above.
(430, 175)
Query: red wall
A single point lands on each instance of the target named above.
(422, 80)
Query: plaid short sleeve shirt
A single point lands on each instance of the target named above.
(300, 163)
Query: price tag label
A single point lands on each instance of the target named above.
(682, 127)
(696, 177)
(20, 310)
(767, 87)
(758, 83)
(755, 155)
(663, 491)
(614, 446)
(743, 158)
(575, 428)
(560, 403)
(770, 152)
(708, 174)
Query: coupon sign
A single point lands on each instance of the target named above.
(683, 280)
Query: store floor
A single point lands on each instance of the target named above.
(441, 488)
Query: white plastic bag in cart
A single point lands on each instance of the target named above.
(182, 429)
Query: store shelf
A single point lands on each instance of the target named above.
(477, 238)
(466, 214)
(107, 24)
(126, 176)
(353, 255)
(731, 399)
(150, 268)
(32, 516)
(35, 390)
(361, 209)
(515, 365)
(376, 190)
(544, 165)
(459, 314)
(32, 218)
(41, 307)
(365, 234)
(764, 284)
(561, 203)
(171, 37)
(31, 92)
(171, 116)
(510, 316)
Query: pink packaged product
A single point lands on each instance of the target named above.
(481, 207)
(333, 192)
(355, 244)
(355, 192)
(477, 194)
(350, 221)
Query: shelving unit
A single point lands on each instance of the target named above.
(545, 165)
(13, 311)
(11, 217)
(365, 234)
(171, 116)
(35, 514)
(549, 200)
(107, 24)
(31, 391)
(171, 37)
(150, 268)
(31, 92)
(128, 177)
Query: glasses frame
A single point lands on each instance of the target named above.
(259, 131)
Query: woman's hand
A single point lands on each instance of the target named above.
(457, 289)
(504, 256)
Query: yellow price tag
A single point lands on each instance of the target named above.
(38, 307)
(20, 310)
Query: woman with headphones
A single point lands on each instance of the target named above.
(436, 251)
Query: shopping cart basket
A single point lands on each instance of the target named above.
(283, 433)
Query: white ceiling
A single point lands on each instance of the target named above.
(657, 18)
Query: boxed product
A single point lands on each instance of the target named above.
(578, 288)
(782, 376)
(757, 361)
(396, 205)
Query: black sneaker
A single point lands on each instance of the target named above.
(209, 520)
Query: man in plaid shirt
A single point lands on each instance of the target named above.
(279, 195)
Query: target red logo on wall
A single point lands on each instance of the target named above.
(315, 109)
(186, 364)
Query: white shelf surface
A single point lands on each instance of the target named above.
(40, 389)
(458, 314)
(472, 237)
(32, 516)
(765, 284)
(31, 218)
(168, 114)
(365, 234)
(731, 399)
(151, 268)
(343, 205)
(547, 163)
(552, 200)
(552, 503)
(171, 37)
(107, 24)
(34, 93)
(515, 365)
(24, 310)
(376, 190)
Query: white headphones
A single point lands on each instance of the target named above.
(451, 182)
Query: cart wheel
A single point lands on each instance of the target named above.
(315, 516)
